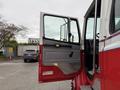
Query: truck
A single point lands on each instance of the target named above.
(90, 59)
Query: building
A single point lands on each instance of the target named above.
(22, 48)
(33, 40)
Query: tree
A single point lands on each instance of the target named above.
(8, 31)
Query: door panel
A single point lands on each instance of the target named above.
(60, 53)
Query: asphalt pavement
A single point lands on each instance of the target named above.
(17, 75)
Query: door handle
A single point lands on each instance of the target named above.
(71, 54)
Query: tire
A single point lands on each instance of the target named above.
(25, 60)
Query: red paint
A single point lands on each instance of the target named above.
(57, 75)
(40, 62)
(109, 62)
(83, 76)
(111, 70)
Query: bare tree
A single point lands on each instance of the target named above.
(8, 31)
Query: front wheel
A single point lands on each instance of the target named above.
(25, 60)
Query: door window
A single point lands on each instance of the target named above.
(61, 29)
(56, 28)
(74, 32)
(115, 16)
(90, 28)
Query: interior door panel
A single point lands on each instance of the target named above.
(64, 56)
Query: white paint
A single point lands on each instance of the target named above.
(105, 18)
(104, 23)
(113, 45)
(41, 27)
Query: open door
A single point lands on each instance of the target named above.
(59, 48)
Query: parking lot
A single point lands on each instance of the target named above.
(17, 75)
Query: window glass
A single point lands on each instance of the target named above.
(61, 29)
(74, 32)
(117, 15)
(56, 28)
(90, 28)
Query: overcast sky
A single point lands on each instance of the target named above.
(27, 12)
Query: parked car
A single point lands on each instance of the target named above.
(30, 55)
